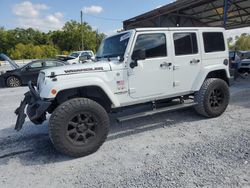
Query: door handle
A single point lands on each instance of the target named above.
(194, 61)
(165, 64)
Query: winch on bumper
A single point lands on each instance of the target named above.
(36, 109)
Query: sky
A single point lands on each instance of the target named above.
(104, 15)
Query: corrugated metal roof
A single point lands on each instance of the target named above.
(194, 13)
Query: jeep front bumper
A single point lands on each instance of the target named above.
(36, 108)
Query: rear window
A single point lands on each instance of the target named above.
(213, 42)
(50, 63)
(38, 64)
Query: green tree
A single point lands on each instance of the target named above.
(70, 38)
(29, 43)
(3, 40)
(30, 51)
(48, 51)
(18, 52)
(243, 42)
(99, 38)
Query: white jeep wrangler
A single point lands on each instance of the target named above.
(149, 66)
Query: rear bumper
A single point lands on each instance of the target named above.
(36, 108)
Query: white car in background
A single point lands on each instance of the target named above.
(81, 57)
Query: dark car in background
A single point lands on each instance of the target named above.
(245, 61)
(29, 72)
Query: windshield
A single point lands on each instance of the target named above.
(86, 54)
(74, 54)
(247, 55)
(114, 46)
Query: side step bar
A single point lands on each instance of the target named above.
(156, 111)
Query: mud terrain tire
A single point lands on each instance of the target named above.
(213, 97)
(78, 127)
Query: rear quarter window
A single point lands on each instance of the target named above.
(213, 42)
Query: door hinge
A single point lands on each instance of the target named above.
(131, 90)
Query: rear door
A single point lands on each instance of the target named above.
(186, 59)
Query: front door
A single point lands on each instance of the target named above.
(154, 75)
(31, 71)
(186, 59)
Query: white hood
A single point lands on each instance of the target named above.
(78, 68)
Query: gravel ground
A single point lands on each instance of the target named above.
(177, 149)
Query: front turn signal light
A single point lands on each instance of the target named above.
(53, 91)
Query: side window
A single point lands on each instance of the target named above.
(185, 43)
(50, 63)
(36, 65)
(59, 64)
(83, 54)
(153, 44)
(213, 42)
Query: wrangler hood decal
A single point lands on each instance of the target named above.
(79, 68)
(85, 69)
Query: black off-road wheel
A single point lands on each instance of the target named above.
(78, 127)
(213, 98)
(13, 81)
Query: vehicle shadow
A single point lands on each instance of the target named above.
(32, 146)
(2, 84)
(241, 98)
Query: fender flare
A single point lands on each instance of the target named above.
(86, 82)
(203, 74)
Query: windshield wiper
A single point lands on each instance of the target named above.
(110, 56)
(105, 56)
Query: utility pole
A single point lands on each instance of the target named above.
(227, 5)
(97, 40)
(225, 13)
(82, 30)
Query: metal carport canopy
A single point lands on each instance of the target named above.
(230, 14)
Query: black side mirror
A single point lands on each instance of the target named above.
(27, 68)
(137, 55)
(133, 64)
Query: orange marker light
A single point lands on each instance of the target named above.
(53, 91)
